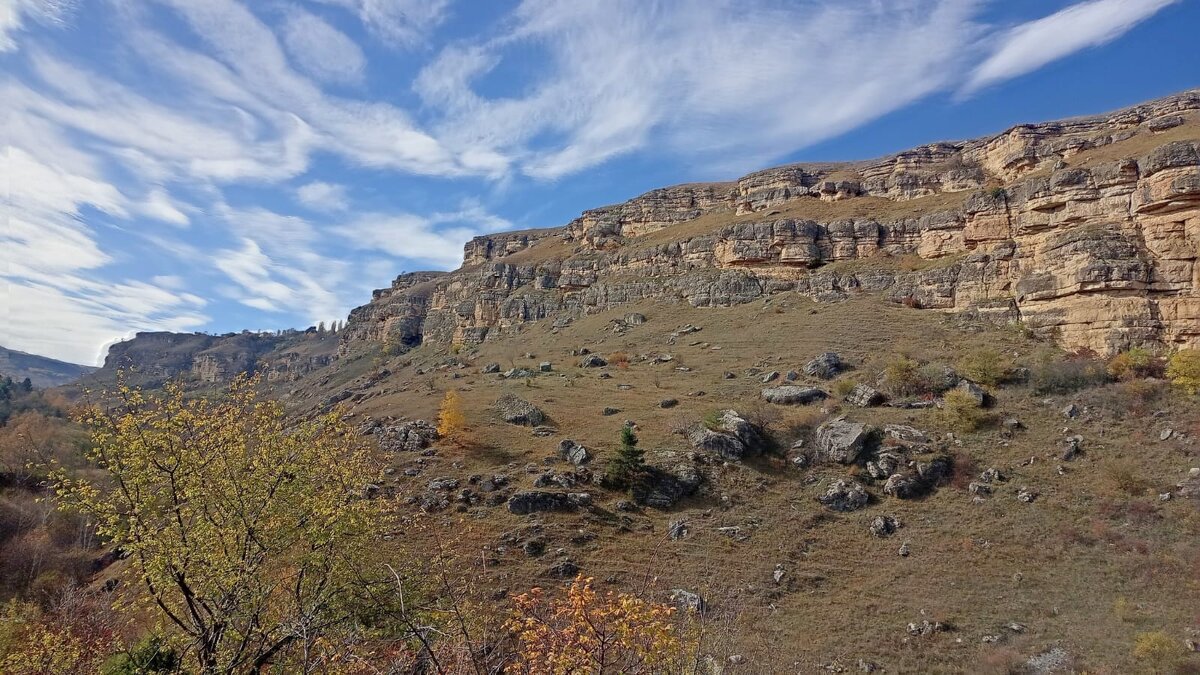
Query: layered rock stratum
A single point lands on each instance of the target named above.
(1086, 229)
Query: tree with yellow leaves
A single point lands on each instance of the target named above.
(1184, 370)
(586, 632)
(245, 533)
(451, 420)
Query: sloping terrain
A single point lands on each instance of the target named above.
(41, 371)
(1042, 531)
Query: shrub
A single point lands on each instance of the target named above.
(712, 420)
(843, 387)
(962, 412)
(150, 655)
(593, 633)
(619, 359)
(1134, 364)
(1157, 650)
(985, 366)
(1126, 477)
(903, 376)
(1078, 371)
(451, 421)
(1184, 370)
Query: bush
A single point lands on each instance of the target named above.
(1134, 364)
(150, 655)
(1184, 370)
(843, 387)
(619, 359)
(1126, 476)
(985, 366)
(962, 412)
(1157, 650)
(1078, 371)
(903, 376)
(451, 421)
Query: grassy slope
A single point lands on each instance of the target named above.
(1057, 565)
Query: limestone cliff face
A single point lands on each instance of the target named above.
(1088, 229)
(154, 357)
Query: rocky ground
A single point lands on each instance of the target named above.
(823, 511)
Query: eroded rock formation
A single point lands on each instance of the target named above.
(1087, 229)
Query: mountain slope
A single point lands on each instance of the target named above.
(42, 371)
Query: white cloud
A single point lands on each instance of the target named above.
(400, 22)
(159, 206)
(14, 12)
(435, 240)
(322, 50)
(1032, 45)
(738, 83)
(321, 196)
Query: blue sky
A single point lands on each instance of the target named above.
(223, 164)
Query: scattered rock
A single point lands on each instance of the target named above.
(884, 526)
(634, 319)
(516, 410)
(883, 466)
(517, 373)
(770, 377)
(826, 366)
(926, 628)
(533, 501)
(1012, 424)
(574, 452)
(661, 489)
(1071, 411)
(729, 375)
(491, 368)
(903, 486)
(1165, 435)
(678, 529)
(904, 550)
(778, 574)
(545, 366)
(593, 361)
(1072, 448)
(443, 483)
(1054, 660)
(844, 495)
(980, 489)
(791, 376)
(973, 390)
(841, 441)
(732, 438)
(687, 601)
(1026, 496)
(668, 403)
(905, 435)
(991, 475)
(864, 397)
(790, 394)
(566, 569)
(409, 437)
(609, 412)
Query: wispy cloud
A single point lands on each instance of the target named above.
(322, 196)
(322, 50)
(13, 14)
(435, 240)
(1032, 45)
(404, 23)
(731, 81)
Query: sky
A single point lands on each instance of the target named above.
(219, 165)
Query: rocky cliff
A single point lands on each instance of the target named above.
(1087, 229)
(151, 358)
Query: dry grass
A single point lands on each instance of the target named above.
(1056, 565)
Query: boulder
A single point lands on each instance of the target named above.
(826, 366)
(791, 394)
(884, 526)
(841, 441)
(731, 437)
(903, 486)
(593, 361)
(770, 377)
(545, 366)
(973, 390)
(574, 452)
(661, 488)
(490, 368)
(687, 601)
(535, 501)
(1072, 448)
(516, 410)
(844, 495)
(410, 436)
(864, 397)
(883, 466)
(905, 435)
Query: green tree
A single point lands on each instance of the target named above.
(630, 461)
(247, 534)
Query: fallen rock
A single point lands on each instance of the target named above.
(668, 403)
(864, 397)
(574, 452)
(844, 495)
(535, 501)
(593, 361)
(409, 437)
(791, 394)
(884, 526)
(731, 438)
(490, 368)
(661, 488)
(1072, 448)
(1026, 495)
(516, 410)
(841, 441)
(883, 466)
(903, 486)
(973, 390)
(905, 435)
(770, 377)
(826, 366)
(545, 366)
(687, 601)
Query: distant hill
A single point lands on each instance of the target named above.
(42, 371)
